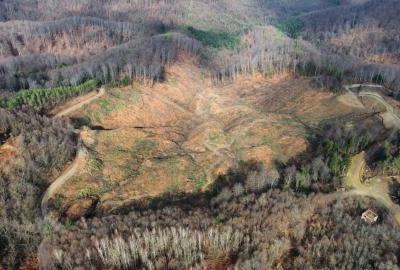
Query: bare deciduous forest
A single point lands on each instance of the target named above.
(294, 216)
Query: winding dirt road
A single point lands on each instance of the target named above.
(79, 159)
(80, 104)
(376, 188)
(63, 178)
(394, 118)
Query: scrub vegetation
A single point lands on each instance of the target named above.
(205, 148)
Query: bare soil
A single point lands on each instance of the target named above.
(377, 187)
(75, 104)
(179, 135)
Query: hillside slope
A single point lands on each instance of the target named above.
(201, 134)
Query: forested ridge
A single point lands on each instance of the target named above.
(291, 217)
(91, 39)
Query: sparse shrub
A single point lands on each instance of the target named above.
(328, 82)
(238, 189)
(58, 201)
(84, 193)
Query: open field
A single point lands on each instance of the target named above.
(179, 135)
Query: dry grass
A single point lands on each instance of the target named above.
(179, 135)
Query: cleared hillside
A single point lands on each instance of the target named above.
(202, 134)
(179, 136)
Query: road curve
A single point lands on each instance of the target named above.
(377, 190)
(78, 105)
(376, 96)
(62, 179)
(79, 159)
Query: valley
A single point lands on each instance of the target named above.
(212, 135)
(187, 132)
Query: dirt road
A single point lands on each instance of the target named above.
(376, 188)
(80, 157)
(395, 118)
(62, 179)
(80, 104)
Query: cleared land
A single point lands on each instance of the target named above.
(77, 103)
(377, 188)
(179, 135)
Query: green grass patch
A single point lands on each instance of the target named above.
(200, 183)
(120, 82)
(88, 192)
(84, 193)
(141, 151)
(215, 39)
(216, 138)
(197, 175)
(143, 147)
(69, 224)
(105, 106)
(95, 164)
(58, 201)
(267, 141)
(172, 164)
(135, 96)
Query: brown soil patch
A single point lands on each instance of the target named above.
(8, 151)
(72, 102)
(181, 134)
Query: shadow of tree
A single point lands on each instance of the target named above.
(394, 190)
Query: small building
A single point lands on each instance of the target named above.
(369, 216)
